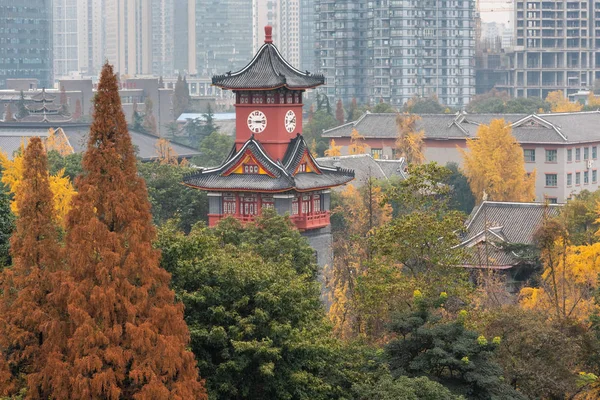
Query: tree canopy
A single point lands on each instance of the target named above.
(495, 165)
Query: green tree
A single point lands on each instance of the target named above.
(71, 163)
(496, 102)
(446, 351)
(22, 111)
(213, 150)
(405, 388)
(169, 198)
(421, 239)
(209, 123)
(257, 324)
(424, 105)
(149, 122)
(539, 357)
(7, 225)
(581, 218)
(181, 97)
(384, 108)
(461, 197)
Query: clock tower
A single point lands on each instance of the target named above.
(268, 94)
(270, 165)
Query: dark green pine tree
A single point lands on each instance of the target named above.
(7, 225)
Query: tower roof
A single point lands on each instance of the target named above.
(268, 70)
(275, 176)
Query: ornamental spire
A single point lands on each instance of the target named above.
(268, 34)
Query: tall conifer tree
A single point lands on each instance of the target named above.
(35, 288)
(129, 337)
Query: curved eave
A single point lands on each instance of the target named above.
(213, 189)
(225, 87)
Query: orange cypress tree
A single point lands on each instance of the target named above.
(129, 338)
(35, 288)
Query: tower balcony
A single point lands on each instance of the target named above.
(303, 222)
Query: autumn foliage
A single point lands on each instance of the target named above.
(97, 320)
(409, 143)
(128, 337)
(32, 310)
(494, 164)
(560, 103)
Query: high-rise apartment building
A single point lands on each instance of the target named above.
(342, 48)
(556, 47)
(223, 35)
(307, 35)
(26, 40)
(284, 17)
(392, 50)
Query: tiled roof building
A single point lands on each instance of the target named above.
(499, 235)
(561, 147)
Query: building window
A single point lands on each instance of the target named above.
(229, 205)
(586, 153)
(377, 153)
(594, 152)
(529, 155)
(551, 180)
(594, 176)
(569, 155)
(302, 167)
(268, 202)
(552, 200)
(586, 177)
(306, 204)
(577, 154)
(250, 169)
(569, 179)
(249, 205)
(295, 206)
(317, 203)
(551, 156)
(578, 178)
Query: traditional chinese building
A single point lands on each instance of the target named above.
(270, 165)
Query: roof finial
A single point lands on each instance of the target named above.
(268, 34)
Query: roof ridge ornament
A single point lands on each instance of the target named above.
(268, 34)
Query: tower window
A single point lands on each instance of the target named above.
(250, 169)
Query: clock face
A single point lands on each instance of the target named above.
(257, 121)
(290, 121)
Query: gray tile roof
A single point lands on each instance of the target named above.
(559, 128)
(283, 178)
(514, 222)
(12, 134)
(268, 70)
(365, 167)
(492, 225)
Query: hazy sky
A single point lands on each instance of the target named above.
(500, 11)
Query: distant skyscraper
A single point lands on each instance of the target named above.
(183, 52)
(67, 33)
(223, 35)
(284, 17)
(163, 39)
(394, 50)
(26, 40)
(128, 36)
(307, 35)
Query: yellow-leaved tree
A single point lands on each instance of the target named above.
(58, 141)
(559, 103)
(363, 211)
(357, 143)
(60, 185)
(333, 150)
(569, 278)
(494, 164)
(592, 100)
(166, 153)
(409, 142)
